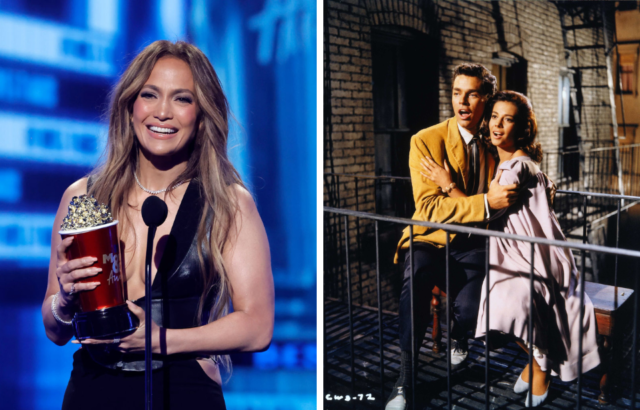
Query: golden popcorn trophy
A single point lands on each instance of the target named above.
(104, 312)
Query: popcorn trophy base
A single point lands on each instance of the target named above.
(111, 322)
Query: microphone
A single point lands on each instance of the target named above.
(154, 213)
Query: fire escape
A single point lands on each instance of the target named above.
(589, 37)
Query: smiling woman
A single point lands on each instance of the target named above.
(165, 114)
(168, 136)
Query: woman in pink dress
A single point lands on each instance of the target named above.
(509, 129)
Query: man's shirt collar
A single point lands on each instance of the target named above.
(466, 135)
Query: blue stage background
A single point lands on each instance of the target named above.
(58, 61)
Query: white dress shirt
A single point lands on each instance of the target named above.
(467, 137)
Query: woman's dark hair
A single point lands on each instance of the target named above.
(526, 126)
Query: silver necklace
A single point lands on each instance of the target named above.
(148, 191)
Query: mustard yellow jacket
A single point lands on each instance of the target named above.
(439, 142)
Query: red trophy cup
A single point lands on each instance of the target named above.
(104, 312)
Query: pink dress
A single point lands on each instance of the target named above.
(556, 326)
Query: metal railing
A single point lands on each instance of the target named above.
(583, 248)
(381, 184)
(346, 191)
(583, 198)
(593, 170)
(571, 208)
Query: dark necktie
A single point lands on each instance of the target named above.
(474, 165)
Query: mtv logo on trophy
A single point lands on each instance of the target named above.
(103, 310)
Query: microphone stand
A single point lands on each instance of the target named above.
(147, 320)
(154, 213)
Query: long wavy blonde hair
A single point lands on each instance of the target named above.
(208, 162)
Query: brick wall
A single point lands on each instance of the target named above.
(529, 29)
(467, 31)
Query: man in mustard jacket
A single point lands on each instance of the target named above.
(472, 168)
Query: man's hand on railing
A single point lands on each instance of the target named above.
(501, 196)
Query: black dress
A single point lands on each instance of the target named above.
(178, 380)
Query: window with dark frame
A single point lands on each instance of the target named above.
(405, 91)
(569, 162)
(510, 71)
(626, 85)
(564, 99)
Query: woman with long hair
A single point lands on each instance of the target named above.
(168, 129)
(509, 129)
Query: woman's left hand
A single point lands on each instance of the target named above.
(434, 172)
(134, 343)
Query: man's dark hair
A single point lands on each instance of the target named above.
(488, 87)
